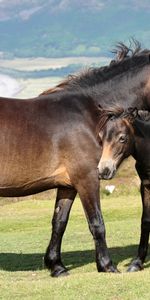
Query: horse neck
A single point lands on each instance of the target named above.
(125, 90)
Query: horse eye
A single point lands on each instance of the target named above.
(122, 138)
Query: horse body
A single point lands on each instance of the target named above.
(22, 147)
(40, 139)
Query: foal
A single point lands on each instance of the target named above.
(128, 132)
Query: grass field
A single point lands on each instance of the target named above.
(24, 235)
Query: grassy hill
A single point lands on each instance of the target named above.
(70, 28)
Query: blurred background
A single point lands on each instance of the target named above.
(42, 41)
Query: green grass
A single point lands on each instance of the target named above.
(24, 235)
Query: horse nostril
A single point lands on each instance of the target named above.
(106, 172)
(103, 173)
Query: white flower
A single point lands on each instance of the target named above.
(110, 188)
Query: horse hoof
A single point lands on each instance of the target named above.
(60, 273)
(135, 267)
(112, 269)
(109, 269)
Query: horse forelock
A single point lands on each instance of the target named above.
(113, 114)
(107, 114)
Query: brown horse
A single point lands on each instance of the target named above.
(51, 141)
(128, 132)
(125, 82)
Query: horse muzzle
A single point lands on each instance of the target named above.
(106, 170)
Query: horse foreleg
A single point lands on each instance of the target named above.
(137, 263)
(88, 190)
(52, 259)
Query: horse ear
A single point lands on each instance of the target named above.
(132, 114)
(144, 115)
(100, 109)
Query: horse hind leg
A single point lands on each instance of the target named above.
(52, 259)
(137, 263)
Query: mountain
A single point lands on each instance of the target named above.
(59, 28)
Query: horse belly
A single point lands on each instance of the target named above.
(25, 187)
(24, 165)
(30, 171)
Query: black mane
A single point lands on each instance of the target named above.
(127, 59)
(122, 51)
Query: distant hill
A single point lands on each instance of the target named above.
(59, 28)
